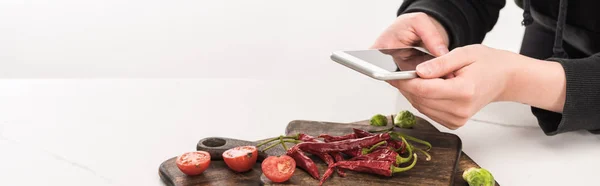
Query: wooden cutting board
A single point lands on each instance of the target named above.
(439, 171)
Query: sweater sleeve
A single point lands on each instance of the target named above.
(582, 102)
(466, 21)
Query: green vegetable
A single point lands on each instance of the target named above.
(478, 177)
(405, 119)
(379, 120)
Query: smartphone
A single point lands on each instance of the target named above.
(384, 64)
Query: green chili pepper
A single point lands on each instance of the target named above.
(405, 119)
(379, 120)
(478, 177)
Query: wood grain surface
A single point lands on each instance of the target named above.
(439, 171)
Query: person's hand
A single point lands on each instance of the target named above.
(480, 75)
(415, 29)
(407, 58)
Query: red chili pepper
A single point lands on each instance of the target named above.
(306, 138)
(379, 145)
(353, 153)
(326, 157)
(358, 152)
(323, 155)
(329, 138)
(398, 145)
(383, 154)
(304, 161)
(384, 168)
(345, 145)
(361, 133)
(339, 157)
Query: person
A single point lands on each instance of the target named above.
(557, 72)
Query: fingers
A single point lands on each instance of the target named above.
(449, 76)
(395, 38)
(379, 44)
(403, 53)
(458, 109)
(449, 113)
(417, 102)
(431, 37)
(414, 29)
(449, 121)
(438, 112)
(450, 62)
(435, 88)
(408, 59)
(390, 52)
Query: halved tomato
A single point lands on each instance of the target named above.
(241, 159)
(279, 168)
(193, 163)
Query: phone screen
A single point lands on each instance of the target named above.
(393, 60)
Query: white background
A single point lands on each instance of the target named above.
(101, 92)
(264, 39)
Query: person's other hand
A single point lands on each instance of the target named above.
(415, 29)
(480, 75)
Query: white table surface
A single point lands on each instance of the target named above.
(118, 131)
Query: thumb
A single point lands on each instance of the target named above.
(430, 35)
(444, 65)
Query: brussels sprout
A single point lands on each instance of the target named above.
(478, 177)
(405, 119)
(379, 120)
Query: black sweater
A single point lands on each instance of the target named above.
(567, 32)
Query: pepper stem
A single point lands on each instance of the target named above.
(382, 130)
(369, 150)
(400, 160)
(428, 157)
(408, 149)
(395, 137)
(275, 139)
(282, 141)
(402, 169)
(415, 140)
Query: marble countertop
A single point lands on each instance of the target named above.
(118, 131)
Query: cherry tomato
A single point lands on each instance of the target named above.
(241, 159)
(278, 168)
(193, 163)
